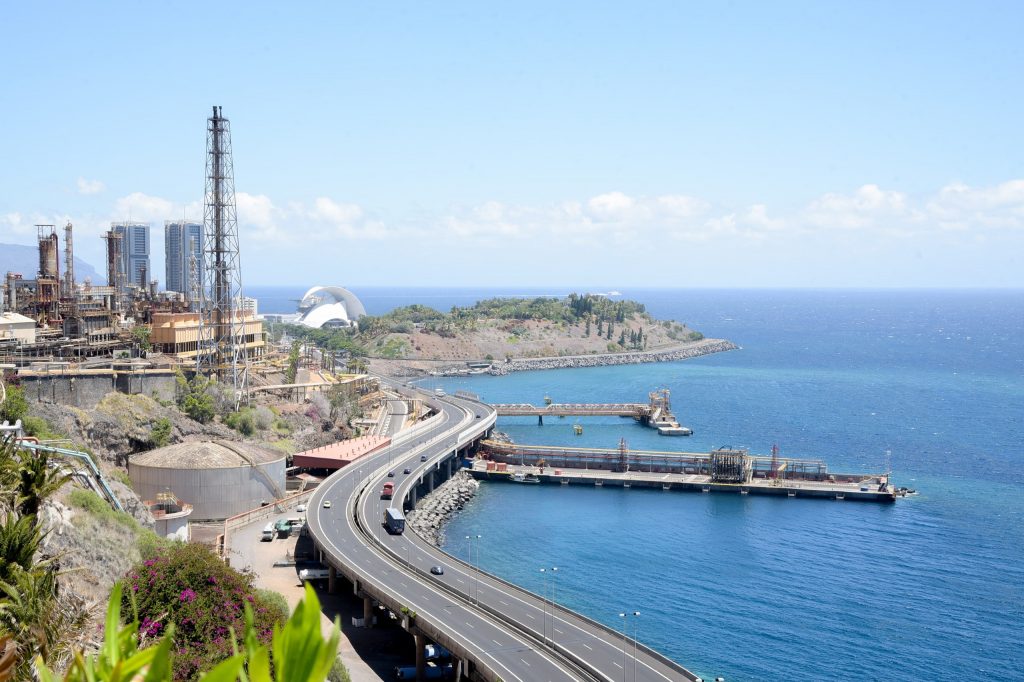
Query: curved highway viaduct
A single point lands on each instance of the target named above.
(496, 630)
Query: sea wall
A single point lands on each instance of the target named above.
(434, 510)
(706, 347)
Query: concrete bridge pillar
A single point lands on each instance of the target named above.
(421, 657)
(332, 580)
(430, 481)
(448, 466)
(412, 498)
(367, 612)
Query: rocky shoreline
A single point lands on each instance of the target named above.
(447, 368)
(706, 347)
(433, 511)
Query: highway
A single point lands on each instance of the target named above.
(507, 632)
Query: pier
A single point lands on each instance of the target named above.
(722, 470)
(656, 413)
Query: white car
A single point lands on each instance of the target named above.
(327, 504)
(301, 508)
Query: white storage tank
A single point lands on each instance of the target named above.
(218, 478)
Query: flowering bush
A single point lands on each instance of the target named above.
(187, 585)
(299, 652)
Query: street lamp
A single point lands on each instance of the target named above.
(472, 583)
(544, 605)
(636, 627)
(623, 617)
(551, 573)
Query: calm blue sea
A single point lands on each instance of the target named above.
(931, 588)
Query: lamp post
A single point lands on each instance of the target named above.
(552, 574)
(636, 627)
(623, 617)
(472, 583)
(544, 604)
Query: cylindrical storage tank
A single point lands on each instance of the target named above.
(218, 478)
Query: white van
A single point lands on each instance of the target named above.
(268, 532)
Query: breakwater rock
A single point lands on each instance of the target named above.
(434, 510)
(693, 350)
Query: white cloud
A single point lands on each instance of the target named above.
(90, 186)
(863, 208)
(612, 206)
(144, 208)
(958, 206)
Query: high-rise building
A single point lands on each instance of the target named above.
(134, 252)
(183, 252)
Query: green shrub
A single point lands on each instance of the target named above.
(275, 600)
(120, 475)
(242, 421)
(160, 433)
(15, 407)
(90, 502)
(338, 672)
(150, 544)
(695, 336)
(39, 427)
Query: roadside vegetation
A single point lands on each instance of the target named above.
(187, 614)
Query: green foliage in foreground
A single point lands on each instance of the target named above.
(297, 651)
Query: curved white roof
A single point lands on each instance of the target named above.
(321, 305)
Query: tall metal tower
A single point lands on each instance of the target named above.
(69, 262)
(223, 353)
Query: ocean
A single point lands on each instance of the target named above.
(756, 588)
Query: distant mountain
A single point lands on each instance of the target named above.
(25, 259)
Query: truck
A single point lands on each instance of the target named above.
(387, 491)
(394, 520)
(430, 672)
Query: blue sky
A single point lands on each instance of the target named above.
(571, 144)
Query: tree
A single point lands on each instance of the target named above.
(610, 329)
(15, 407)
(586, 331)
(293, 362)
(37, 481)
(195, 398)
(140, 335)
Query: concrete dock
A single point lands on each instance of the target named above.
(870, 489)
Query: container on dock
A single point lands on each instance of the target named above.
(502, 466)
(491, 466)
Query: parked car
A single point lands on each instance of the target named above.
(437, 570)
(301, 508)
